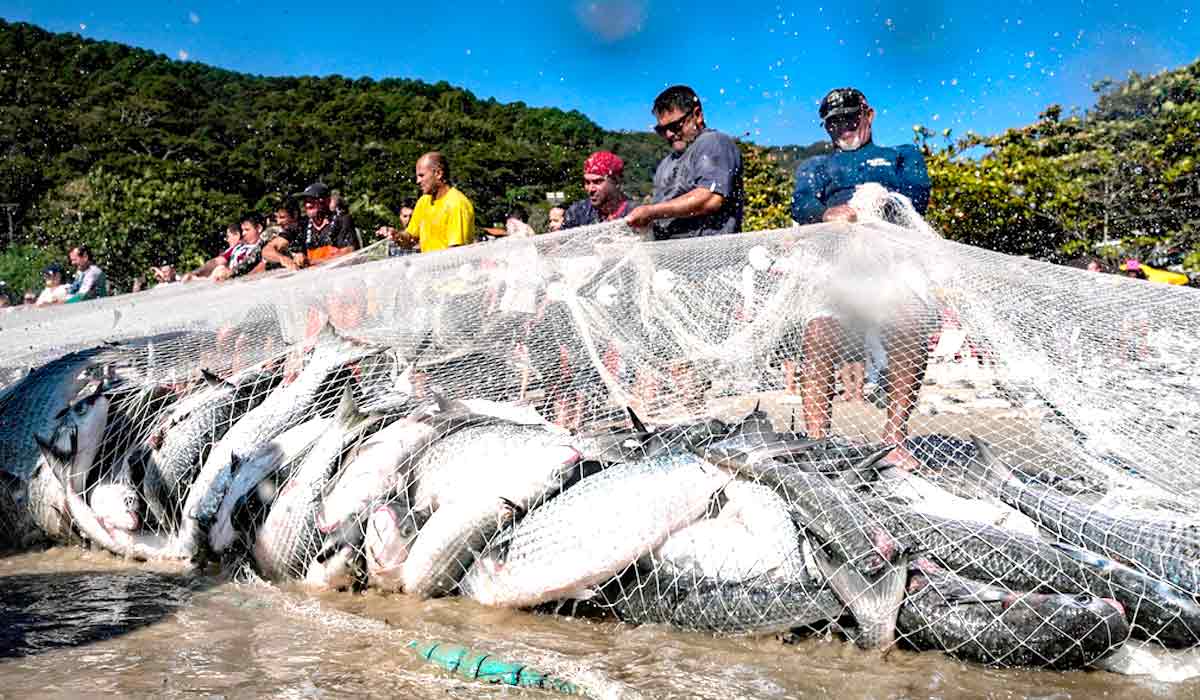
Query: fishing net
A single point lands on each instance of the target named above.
(697, 433)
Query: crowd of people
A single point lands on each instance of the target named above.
(89, 282)
(698, 191)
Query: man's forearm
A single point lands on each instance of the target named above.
(206, 269)
(84, 289)
(699, 202)
(273, 253)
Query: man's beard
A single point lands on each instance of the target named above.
(852, 142)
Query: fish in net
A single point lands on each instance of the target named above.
(673, 433)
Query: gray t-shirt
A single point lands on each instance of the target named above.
(89, 284)
(714, 162)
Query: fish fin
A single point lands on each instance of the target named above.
(874, 604)
(995, 472)
(61, 445)
(329, 547)
(717, 501)
(638, 425)
(62, 412)
(517, 509)
(348, 534)
(57, 465)
(1085, 556)
(444, 405)
(871, 461)
(213, 380)
(497, 548)
(235, 464)
(348, 414)
(757, 406)
(155, 439)
(44, 443)
(982, 596)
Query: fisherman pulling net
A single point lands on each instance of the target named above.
(590, 424)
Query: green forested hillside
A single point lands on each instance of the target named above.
(146, 157)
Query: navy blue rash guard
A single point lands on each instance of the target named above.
(827, 181)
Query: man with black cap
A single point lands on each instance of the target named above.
(56, 291)
(825, 183)
(324, 235)
(824, 186)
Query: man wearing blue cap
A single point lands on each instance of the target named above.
(825, 185)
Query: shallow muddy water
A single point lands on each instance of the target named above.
(74, 622)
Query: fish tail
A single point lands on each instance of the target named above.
(875, 604)
(988, 466)
(348, 413)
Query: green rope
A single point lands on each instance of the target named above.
(479, 666)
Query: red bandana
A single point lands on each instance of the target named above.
(604, 163)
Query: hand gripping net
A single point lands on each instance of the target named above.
(1051, 418)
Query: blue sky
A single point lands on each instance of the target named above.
(760, 68)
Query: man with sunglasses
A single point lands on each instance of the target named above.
(824, 187)
(698, 186)
(697, 192)
(825, 183)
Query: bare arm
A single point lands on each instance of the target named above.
(273, 251)
(206, 269)
(699, 202)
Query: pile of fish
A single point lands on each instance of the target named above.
(734, 529)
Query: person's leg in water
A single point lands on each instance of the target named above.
(908, 356)
(824, 345)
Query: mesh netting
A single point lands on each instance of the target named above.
(852, 427)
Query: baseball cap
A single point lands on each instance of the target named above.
(842, 101)
(317, 190)
(53, 269)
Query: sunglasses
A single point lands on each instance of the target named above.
(835, 126)
(673, 127)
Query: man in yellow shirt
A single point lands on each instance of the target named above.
(443, 217)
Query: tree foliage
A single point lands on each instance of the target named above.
(768, 190)
(147, 159)
(21, 270)
(162, 213)
(1124, 171)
